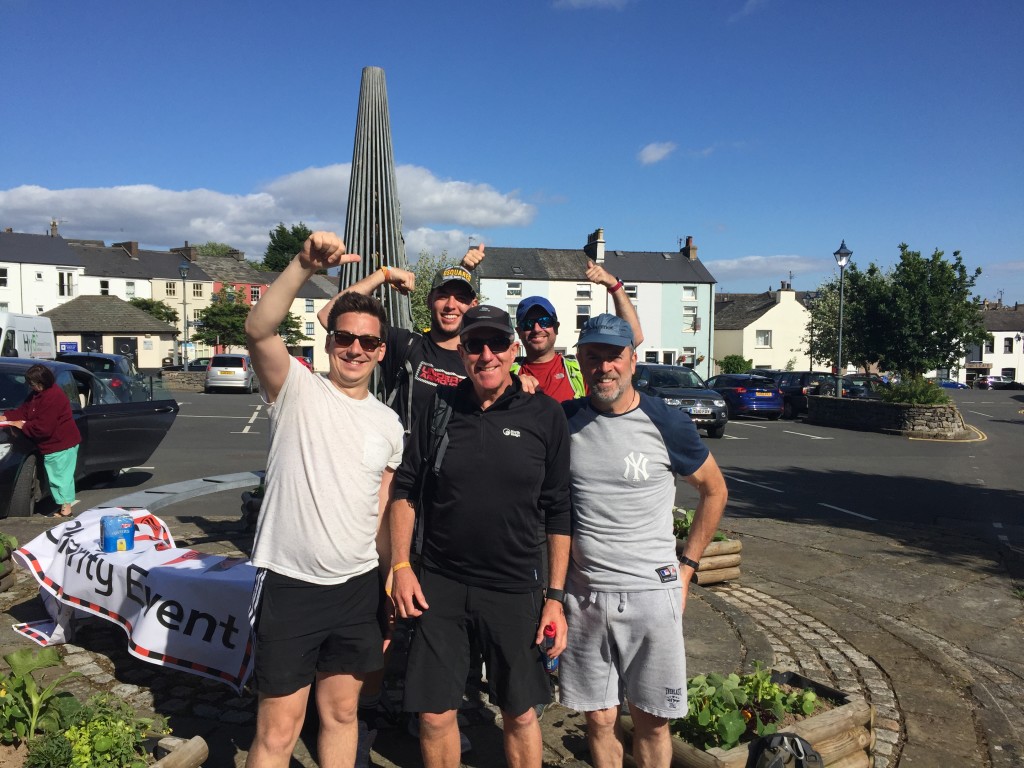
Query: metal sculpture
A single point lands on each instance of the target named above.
(373, 222)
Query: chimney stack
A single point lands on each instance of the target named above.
(188, 252)
(595, 246)
(689, 250)
(53, 228)
(131, 247)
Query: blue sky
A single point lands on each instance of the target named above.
(769, 130)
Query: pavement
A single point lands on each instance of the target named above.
(926, 623)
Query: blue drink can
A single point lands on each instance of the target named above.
(117, 533)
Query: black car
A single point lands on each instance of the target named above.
(682, 388)
(118, 371)
(797, 385)
(115, 434)
(199, 364)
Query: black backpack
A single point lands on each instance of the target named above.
(404, 377)
(785, 750)
(431, 467)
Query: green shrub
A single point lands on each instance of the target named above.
(683, 519)
(918, 391)
(25, 707)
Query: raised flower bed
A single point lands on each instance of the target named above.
(721, 559)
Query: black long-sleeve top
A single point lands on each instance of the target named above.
(503, 483)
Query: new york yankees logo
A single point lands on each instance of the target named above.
(638, 463)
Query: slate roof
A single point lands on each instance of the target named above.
(1003, 319)
(228, 269)
(104, 314)
(736, 311)
(114, 261)
(21, 248)
(571, 264)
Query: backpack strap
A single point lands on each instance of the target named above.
(432, 459)
(575, 375)
(405, 372)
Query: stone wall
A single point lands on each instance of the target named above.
(934, 421)
(184, 381)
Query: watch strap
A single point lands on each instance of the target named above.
(687, 561)
(554, 594)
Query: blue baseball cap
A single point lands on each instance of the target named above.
(534, 301)
(606, 329)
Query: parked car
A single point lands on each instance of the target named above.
(305, 361)
(797, 385)
(991, 381)
(231, 371)
(682, 388)
(199, 364)
(950, 384)
(863, 386)
(118, 371)
(115, 434)
(747, 395)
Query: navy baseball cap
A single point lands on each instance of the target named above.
(486, 316)
(534, 301)
(606, 329)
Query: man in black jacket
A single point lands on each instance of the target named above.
(504, 471)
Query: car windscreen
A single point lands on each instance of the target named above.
(94, 364)
(228, 361)
(667, 377)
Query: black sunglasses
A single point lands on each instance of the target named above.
(367, 342)
(544, 321)
(497, 345)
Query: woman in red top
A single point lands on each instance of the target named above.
(45, 418)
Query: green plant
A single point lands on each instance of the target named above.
(8, 543)
(734, 364)
(725, 709)
(1019, 593)
(30, 708)
(917, 391)
(683, 519)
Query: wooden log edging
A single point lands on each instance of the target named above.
(720, 561)
(181, 753)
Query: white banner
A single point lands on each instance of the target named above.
(180, 608)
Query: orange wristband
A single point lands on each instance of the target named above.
(400, 566)
(387, 273)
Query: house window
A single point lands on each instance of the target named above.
(309, 329)
(1010, 374)
(511, 309)
(64, 286)
(197, 316)
(582, 315)
(990, 346)
(689, 356)
(630, 291)
(3, 277)
(197, 290)
(651, 356)
(104, 287)
(514, 289)
(1008, 344)
(4, 307)
(762, 338)
(39, 276)
(582, 290)
(689, 293)
(254, 294)
(309, 305)
(39, 309)
(129, 289)
(171, 289)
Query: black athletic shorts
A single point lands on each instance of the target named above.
(304, 628)
(504, 626)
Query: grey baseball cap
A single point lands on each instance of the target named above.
(606, 329)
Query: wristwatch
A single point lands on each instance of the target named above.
(687, 561)
(554, 594)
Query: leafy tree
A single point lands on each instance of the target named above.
(212, 248)
(223, 322)
(734, 364)
(425, 268)
(156, 308)
(284, 244)
(292, 331)
(822, 330)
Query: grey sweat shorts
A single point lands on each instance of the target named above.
(625, 643)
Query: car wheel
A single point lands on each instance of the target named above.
(774, 416)
(716, 432)
(787, 410)
(253, 386)
(26, 490)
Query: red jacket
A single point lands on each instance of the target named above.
(48, 420)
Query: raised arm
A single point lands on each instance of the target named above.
(623, 306)
(402, 280)
(267, 349)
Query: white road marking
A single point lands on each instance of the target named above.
(733, 437)
(756, 485)
(803, 434)
(748, 424)
(845, 511)
(979, 413)
(997, 525)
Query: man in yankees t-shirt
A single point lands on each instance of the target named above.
(432, 357)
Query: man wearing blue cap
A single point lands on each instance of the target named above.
(625, 589)
(537, 323)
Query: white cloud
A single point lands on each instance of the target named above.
(655, 152)
(162, 218)
(754, 274)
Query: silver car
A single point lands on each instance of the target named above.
(231, 372)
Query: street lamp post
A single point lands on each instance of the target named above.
(842, 259)
(183, 271)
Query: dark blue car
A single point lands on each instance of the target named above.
(748, 395)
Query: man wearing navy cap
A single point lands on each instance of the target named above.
(537, 323)
(625, 589)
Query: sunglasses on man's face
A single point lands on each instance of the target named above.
(496, 344)
(544, 321)
(367, 342)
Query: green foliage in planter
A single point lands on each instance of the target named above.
(7, 543)
(25, 707)
(683, 519)
(104, 731)
(724, 710)
(917, 391)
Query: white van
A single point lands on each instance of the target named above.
(27, 336)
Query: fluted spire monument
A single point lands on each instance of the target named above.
(373, 222)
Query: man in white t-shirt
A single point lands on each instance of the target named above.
(319, 605)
